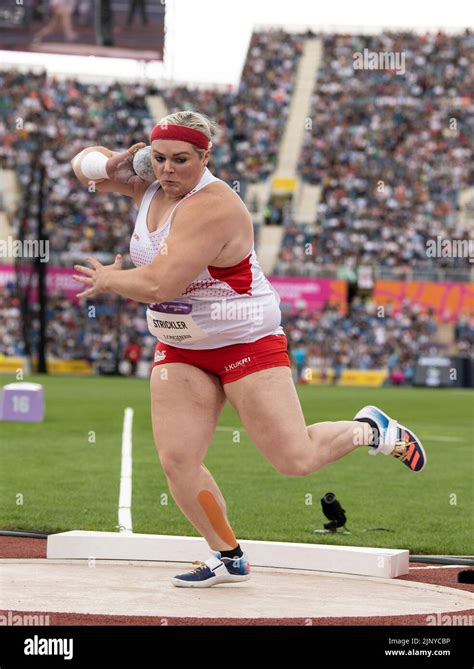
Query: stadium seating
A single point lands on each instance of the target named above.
(374, 149)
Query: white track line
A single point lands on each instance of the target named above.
(125, 497)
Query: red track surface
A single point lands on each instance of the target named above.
(13, 547)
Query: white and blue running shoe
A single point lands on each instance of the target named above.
(394, 439)
(215, 570)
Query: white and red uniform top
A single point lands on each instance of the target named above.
(220, 307)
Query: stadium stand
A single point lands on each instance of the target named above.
(375, 149)
(372, 155)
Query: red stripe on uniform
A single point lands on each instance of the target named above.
(238, 277)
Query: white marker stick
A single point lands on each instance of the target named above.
(125, 497)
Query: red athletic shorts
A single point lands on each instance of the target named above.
(230, 363)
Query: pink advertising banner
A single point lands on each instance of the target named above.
(449, 300)
(58, 280)
(301, 292)
(295, 292)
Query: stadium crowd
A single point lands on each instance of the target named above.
(261, 104)
(374, 148)
(365, 337)
(391, 152)
(11, 335)
(62, 116)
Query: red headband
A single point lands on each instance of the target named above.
(181, 132)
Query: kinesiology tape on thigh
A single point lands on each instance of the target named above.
(216, 517)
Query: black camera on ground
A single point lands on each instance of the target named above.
(333, 512)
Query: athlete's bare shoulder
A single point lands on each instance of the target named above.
(221, 208)
(216, 195)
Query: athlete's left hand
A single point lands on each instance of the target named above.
(98, 278)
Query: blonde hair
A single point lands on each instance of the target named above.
(194, 120)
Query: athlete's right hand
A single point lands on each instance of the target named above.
(120, 168)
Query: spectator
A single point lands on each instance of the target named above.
(299, 359)
(132, 354)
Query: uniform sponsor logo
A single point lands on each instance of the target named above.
(172, 307)
(160, 355)
(234, 365)
(136, 236)
(177, 338)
